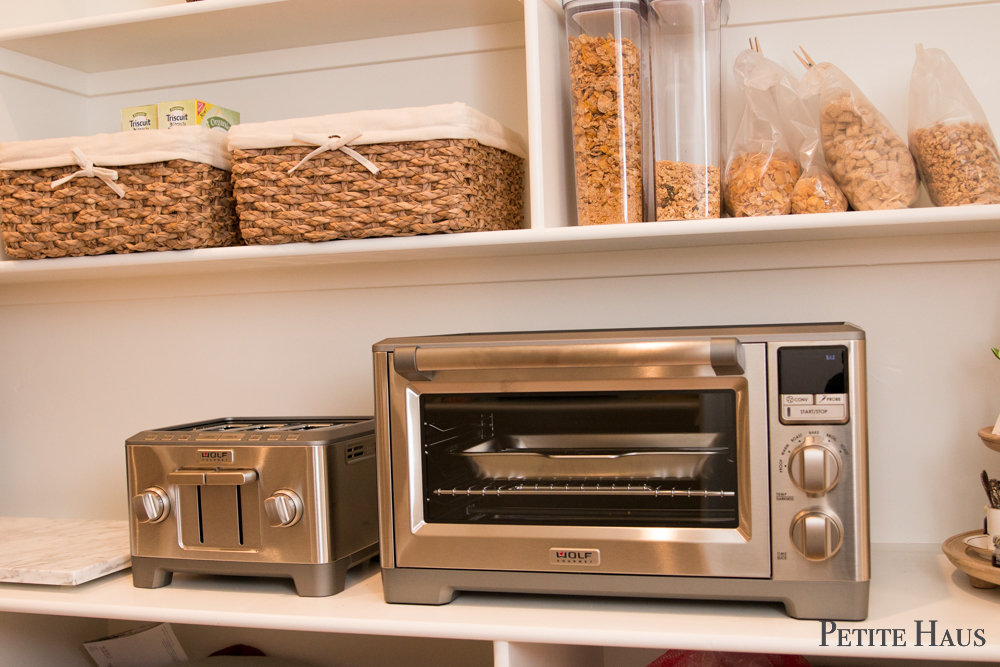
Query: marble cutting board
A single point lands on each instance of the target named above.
(61, 551)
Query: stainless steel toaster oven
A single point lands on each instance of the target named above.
(277, 497)
(713, 463)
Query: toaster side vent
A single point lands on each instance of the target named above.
(355, 452)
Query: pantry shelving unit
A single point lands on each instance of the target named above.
(93, 349)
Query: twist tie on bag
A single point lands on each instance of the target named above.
(109, 176)
(335, 142)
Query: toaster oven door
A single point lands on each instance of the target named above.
(606, 466)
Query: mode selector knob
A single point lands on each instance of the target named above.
(815, 535)
(151, 506)
(814, 467)
(283, 508)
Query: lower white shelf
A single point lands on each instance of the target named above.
(909, 583)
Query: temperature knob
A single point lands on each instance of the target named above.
(815, 535)
(283, 508)
(151, 506)
(814, 467)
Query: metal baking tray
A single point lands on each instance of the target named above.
(589, 455)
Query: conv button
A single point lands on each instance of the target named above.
(831, 399)
(796, 399)
(832, 414)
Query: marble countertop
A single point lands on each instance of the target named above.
(61, 551)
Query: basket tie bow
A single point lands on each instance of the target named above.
(333, 143)
(109, 176)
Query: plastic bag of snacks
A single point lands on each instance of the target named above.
(717, 659)
(949, 134)
(760, 167)
(866, 157)
(815, 191)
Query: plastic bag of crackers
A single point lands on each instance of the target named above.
(949, 134)
(865, 155)
(815, 191)
(760, 170)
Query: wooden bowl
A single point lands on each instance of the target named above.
(990, 440)
(979, 567)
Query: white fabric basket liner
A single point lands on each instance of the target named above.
(386, 126)
(189, 142)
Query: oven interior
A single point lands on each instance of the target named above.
(601, 458)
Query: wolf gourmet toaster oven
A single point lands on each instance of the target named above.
(275, 497)
(712, 463)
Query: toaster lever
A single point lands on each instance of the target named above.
(230, 477)
(213, 477)
(190, 477)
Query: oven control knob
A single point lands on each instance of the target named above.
(816, 535)
(283, 508)
(814, 467)
(151, 506)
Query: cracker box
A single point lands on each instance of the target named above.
(139, 118)
(195, 112)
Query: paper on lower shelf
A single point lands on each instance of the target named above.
(147, 646)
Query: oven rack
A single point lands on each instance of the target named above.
(614, 487)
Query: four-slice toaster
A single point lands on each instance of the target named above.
(276, 497)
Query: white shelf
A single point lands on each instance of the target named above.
(542, 241)
(909, 583)
(215, 28)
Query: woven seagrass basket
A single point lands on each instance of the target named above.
(172, 205)
(423, 187)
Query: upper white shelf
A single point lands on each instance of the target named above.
(540, 241)
(909, 583)
(214, 28)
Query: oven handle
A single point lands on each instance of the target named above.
(724, 355)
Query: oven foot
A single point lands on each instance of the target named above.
(410, 587)
(146, 573)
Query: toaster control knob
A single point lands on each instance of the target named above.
(151, 506)
(283, 508)
(814, 467)
(815, 535)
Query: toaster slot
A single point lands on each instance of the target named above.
(220, 514)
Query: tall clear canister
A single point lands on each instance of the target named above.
(685, 56)
(609, 82)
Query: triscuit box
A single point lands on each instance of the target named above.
(139, 118)
(195, 112)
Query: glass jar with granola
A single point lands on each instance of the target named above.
(686, 80)
(609, 80)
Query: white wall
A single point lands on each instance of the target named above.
(86, 364)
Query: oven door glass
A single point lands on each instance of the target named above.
(600, 458)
